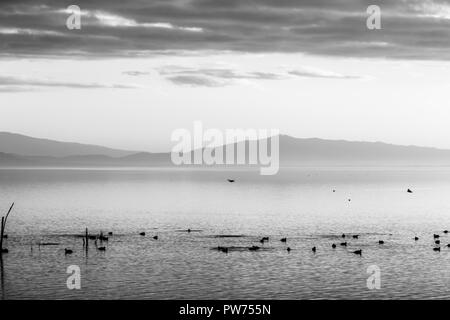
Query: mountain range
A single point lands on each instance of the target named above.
(23, 151)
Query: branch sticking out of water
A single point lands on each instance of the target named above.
(2, 231)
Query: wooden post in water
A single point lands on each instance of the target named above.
(87, 239)
(2, 233)
(1, 236)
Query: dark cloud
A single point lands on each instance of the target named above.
(411, 29)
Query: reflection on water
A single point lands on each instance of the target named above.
(2, 277)
(55, 206)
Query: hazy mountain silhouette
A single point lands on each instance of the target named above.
(320, 151)
(19, 150)
(28, 146)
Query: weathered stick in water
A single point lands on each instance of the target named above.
(87, 240)
(1, 235)
(2, 231)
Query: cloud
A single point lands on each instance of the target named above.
(222, 73)
(136, 73)
(311, 73)
(214, 77)
(413, 29)
(12, 84)
(195, 81)
(112, 20)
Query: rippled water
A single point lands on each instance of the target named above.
(57, 205)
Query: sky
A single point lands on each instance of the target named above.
(137, 70)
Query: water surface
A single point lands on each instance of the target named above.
(298, 203)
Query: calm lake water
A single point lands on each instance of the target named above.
(57, 205)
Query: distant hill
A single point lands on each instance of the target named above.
(27, 146)
(7, 159)
(32, 152)
(320, 151)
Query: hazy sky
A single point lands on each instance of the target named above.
(138, 70)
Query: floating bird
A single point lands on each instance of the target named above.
(67, 251)
(253, 248)
(288, 249)
(155, 237)
(264, 239)
(448, 245)
(356, 236)
(409, 191)
(142, 234)
(188, 230)
(381, 242)
(435, 236)
(344, 244)
(223, 249)
(92, 237)
(437, 249)
(445, 231)
(230, 180)
(333, 246)
(334, 190)
(349, 200)
(283, 240)
(416, 238)
(110, 233)
(314, 249)
(358, 252)
(101, 248)
(343, 235)
(438, 242)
